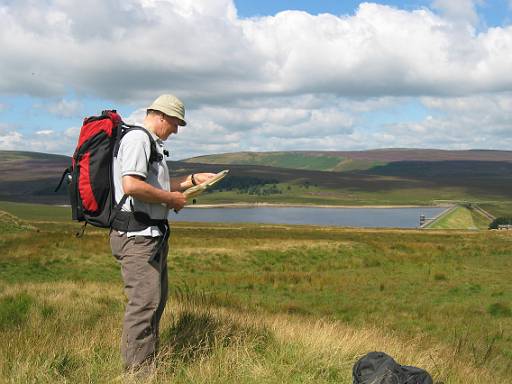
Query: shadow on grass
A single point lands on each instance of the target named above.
(198, 334)
(198, 329)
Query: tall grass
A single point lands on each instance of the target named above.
(72, 332)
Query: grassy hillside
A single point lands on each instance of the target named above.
(498, 208)
(293, 160)
(347, 161)
(396, 183)
(462, 217)
(458, 218)
(262, 304)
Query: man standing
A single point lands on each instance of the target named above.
(142, 253)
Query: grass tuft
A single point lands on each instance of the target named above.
(48, 311)
(440, 277)
(65, 363)
(14, 310)
(500, 309)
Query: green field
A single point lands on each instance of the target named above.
(37, 212)
(292, 160)
(461, 217)
(349, 160)
(498, 208)
(259, 303)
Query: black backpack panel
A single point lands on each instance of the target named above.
(380, 368)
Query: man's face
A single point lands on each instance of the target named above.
(170, 126)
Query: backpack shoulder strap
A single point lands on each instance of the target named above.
(122, 130)
(154, 156)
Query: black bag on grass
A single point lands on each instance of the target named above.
(379, 368)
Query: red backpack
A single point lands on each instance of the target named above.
(90, 181)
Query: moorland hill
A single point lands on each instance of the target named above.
(377, 177)
(349, 160)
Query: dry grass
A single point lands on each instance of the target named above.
(72, 331)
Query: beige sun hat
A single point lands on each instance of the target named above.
(171, 106)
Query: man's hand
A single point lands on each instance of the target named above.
(183, 183)
(136, 186)
(177, 201)
(202, 177)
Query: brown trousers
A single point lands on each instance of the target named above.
(146, 288)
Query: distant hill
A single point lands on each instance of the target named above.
(379, 177)
(348, 161)
(32, 177)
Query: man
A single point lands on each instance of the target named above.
(150, 191)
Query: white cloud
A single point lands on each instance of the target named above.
(460, 123)
(10, 139)
(4, 128)
(459, 10)
(46, 140)
(288, 81)
(72, 133)
(45, 132)
(57, 142)
(481, 121)
(65, 108)
(206, 54)
(271, 124)
(330, 123)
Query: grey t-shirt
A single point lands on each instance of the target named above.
(133, 159)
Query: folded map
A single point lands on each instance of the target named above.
(200, 188)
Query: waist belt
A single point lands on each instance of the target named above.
(138, 221)
(135, 221)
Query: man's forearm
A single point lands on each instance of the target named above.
(184, 182)
(149, 194)
(143, 191)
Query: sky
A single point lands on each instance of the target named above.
(261, 75)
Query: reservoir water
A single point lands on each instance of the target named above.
(343, 217)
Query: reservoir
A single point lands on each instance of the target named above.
(342, 217)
